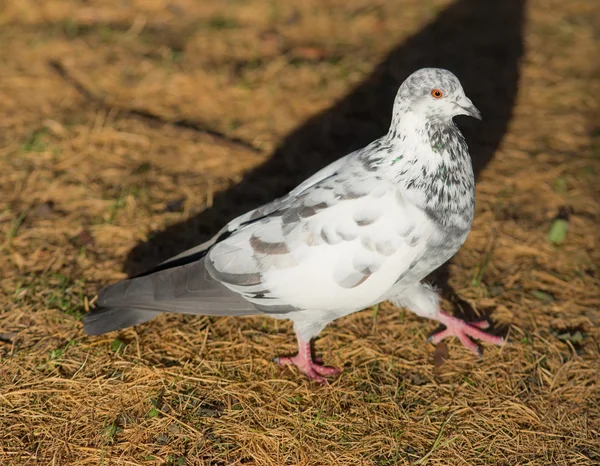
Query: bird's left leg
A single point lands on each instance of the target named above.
(314, 370)
(424, 301)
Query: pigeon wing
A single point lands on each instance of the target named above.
(262, 211)
(339, 244)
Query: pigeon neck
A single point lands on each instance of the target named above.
(407, 123)
(429, 159)
(413, 139)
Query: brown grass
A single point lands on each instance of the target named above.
(82, 182)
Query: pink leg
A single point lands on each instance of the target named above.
(463, 330)
(303, 361)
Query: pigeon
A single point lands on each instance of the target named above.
(367, 228)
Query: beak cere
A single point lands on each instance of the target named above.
(469, 109)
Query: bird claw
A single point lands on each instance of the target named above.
(313, 370)
(463, 330)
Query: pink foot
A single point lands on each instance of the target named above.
(304, 362)
(463, 330)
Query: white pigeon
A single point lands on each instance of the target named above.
(365, 229)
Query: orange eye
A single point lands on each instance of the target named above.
(436, 93)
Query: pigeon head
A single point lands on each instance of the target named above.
(434, 93)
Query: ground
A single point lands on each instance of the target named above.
(130, 130)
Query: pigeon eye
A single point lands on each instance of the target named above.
(436, 93)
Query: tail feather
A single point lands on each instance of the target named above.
(183, 289)
(106, 319)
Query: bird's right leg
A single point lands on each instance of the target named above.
(424, 301)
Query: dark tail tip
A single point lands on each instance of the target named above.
(107, 319)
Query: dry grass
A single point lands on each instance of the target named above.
(82, 183)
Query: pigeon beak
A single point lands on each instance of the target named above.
(466, 107)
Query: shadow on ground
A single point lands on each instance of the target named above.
(481, 42)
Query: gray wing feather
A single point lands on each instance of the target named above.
(264, 210)
(188, 289)
(108, 319)
(302, 188)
